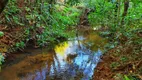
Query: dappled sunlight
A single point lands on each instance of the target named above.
(61, 48)
(70, 39)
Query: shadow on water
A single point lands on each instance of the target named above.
(75, 59)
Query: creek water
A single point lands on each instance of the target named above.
(74, 59)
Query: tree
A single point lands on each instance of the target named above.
(126, 6)
(2, 5)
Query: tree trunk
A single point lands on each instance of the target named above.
(116, 8)
(2, 5)
(126, 6)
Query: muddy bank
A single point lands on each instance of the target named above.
(120, 63)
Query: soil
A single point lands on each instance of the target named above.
(103, 70)
(132, 66)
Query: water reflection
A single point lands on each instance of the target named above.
(71, 60)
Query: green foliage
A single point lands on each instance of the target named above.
(1, 60)
(20, 45)
(103, 13)
(106, 14)
(114, 64)
(126, 77)
(124, 59)
(42, 22)
(60, 20)
(67, 17)
(130, 78)
(12, 13)
(72, 2)
(1, 34)
(89, 3)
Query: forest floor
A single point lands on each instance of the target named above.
(123, 62)
(120, 63)
(10, 38)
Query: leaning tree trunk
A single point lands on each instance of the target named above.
(2, 5)
(126, 6)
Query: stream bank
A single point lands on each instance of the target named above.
(124, 62)
(74, 59)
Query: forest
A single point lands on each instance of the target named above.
(70, 39)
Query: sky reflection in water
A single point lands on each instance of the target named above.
(80, 67)
(71, 60)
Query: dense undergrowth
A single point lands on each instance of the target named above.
(123, 27)
(48, 22)
(41, 22)
(118, 28)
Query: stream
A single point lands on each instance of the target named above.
(74, 59)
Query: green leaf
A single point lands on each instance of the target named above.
(126, 77)
(1, 34)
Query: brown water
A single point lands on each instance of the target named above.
(74, 59)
